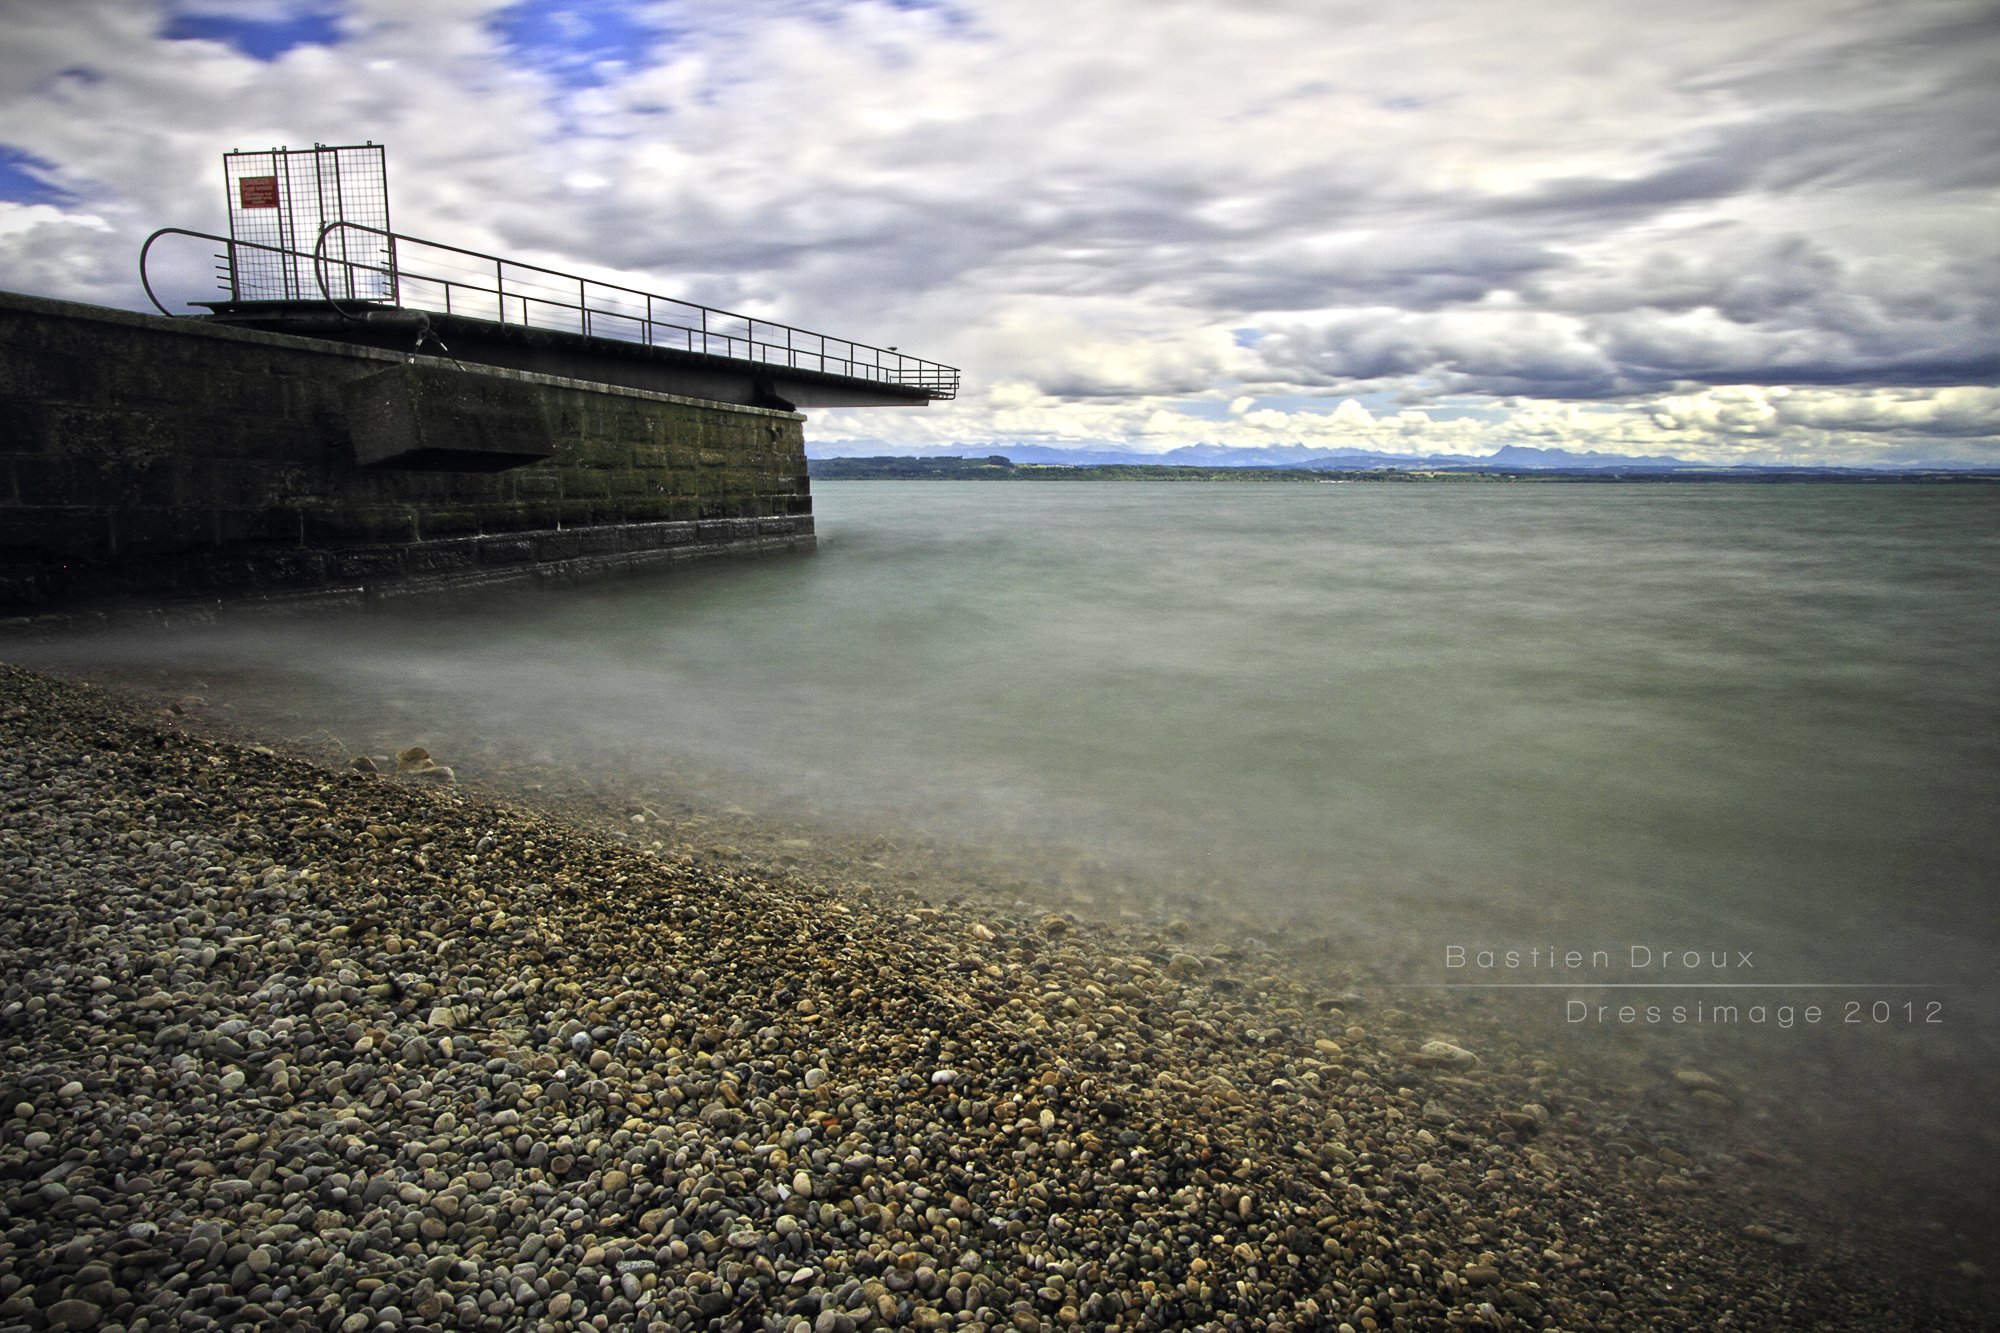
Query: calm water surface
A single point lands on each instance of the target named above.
(1735, 719)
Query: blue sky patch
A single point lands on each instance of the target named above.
(260, 39)
(575, 41)
(26, 179)
(954, 16)
(1203, 409)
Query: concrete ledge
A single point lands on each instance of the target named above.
(433, 419)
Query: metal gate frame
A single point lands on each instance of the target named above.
(282, 199)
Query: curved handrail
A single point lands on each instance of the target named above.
(319, 269)
(799, 349)
(230, 244)
(146, 249)
(145, 279)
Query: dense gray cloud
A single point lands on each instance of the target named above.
(1532, 223)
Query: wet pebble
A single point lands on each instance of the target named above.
(286, 1038)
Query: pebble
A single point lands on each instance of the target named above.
(1445, 1053)
(388, 1055)
(75, 1314)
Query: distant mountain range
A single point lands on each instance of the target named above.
(1511, 458)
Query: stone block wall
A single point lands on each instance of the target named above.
(161, 458)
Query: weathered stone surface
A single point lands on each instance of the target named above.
(448, 419)
(155, 458)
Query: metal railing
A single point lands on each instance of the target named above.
(238, 268)
(417, 274)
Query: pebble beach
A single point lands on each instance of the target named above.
(297, 1044)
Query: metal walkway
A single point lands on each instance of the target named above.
(363, 276)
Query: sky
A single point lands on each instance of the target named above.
(1718, 231)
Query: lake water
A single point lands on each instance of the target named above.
(1751, 728)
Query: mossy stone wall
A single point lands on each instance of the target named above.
(159, 457)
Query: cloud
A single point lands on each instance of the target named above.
(1962, 413)
(1130, 214)
(1499, 351)
(53, 251)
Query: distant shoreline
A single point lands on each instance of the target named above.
(999, 468)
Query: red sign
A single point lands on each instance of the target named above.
(258, 191)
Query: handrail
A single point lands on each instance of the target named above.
(708, 330)
(594, 312)
(229, 259)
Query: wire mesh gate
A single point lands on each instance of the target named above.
(281, 199)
